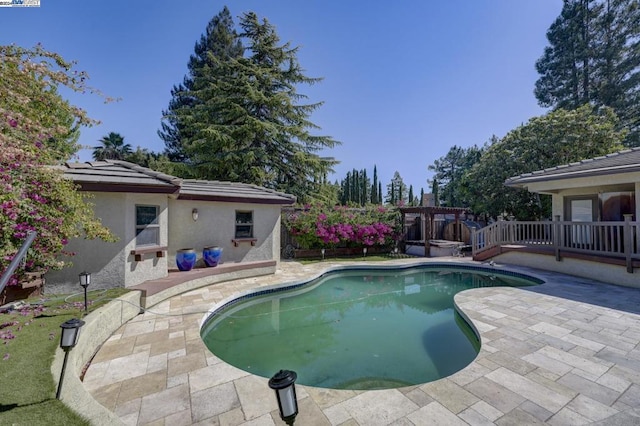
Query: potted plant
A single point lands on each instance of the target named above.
(186, 259)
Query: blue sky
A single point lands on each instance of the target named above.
(403, 81)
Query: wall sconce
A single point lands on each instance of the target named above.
(68, 339)
(194, 215)
(284, 384)
(85, 280)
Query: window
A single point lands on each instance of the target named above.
(244, 224)
(147, 226)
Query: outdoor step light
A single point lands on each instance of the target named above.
(284, 384)
(194, 215)
(85, 280)
(68, 339)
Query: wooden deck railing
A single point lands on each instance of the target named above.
(609, 239)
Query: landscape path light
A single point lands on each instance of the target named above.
(284, 384)
(85, 280)
(68, 339)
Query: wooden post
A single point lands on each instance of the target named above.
(426, 232)
(628, 240)
(557, 236)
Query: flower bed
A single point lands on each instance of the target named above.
(317, 227)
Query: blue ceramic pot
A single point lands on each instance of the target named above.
(186, 259)
(212, 255)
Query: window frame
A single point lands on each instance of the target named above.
(153, 225)
(238, 224)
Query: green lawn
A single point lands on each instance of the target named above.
(28, 340)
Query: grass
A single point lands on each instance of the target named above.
(28, 341)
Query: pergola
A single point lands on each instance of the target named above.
(427, 215)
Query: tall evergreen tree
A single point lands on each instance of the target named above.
(396, 190)
(435, 190)
(364, 184)
(245, 120)
(374, 186)
(421, 197)
(411, 200)
(220, 42)
(594, 57)
(449, 171)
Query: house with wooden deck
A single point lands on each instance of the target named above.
(154, 215)
(595, 230)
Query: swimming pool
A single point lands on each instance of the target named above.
(355, 328)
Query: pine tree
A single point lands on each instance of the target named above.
(246, 121)
(594, 57)
(411, 200)
(220, 42)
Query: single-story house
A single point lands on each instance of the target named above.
(154, 215)
(599, 189)
(595, 230)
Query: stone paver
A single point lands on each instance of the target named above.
(564, 352)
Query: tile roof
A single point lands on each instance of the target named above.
(122, 176)
(619, 162)
(231, 192)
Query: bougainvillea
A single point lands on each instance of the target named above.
(39, 130)
(318, 226)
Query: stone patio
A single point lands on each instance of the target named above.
(565, 352)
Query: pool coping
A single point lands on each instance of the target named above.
(432, 400)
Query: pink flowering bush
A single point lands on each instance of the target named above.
(38, 130)
(319, 226)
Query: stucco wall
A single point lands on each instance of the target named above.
(111, 264)
(150, 267)
(216, 226)
(613, 274)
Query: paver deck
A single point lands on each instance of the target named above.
(566, 352)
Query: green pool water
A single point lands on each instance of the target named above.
(355, 329)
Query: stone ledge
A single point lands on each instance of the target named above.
(99, 325)
(103, 322)
(177, 282)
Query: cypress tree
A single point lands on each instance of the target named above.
(374, 187)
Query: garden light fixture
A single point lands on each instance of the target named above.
(284, 384)
(194, 215)
(364, 251)
(322, 252)
(68, 339)
(85, 280)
